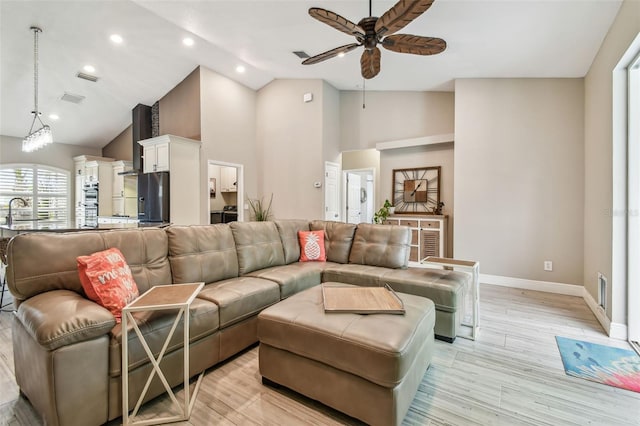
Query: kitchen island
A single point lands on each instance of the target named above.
(19, 227)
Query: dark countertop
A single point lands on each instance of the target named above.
(43, 226)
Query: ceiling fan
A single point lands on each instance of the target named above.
(372, 31)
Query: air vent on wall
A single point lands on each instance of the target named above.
(70, 97)
(301, 54)
(88, 77)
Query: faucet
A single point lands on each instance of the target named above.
(10, 215)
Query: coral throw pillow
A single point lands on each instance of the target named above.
(107, 280)
(312, 246)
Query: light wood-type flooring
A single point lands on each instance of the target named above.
(512, 375)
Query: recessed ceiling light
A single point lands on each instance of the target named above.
(53, 116)
(341, 55)
(89, 68)
(116, 38)
(187, 41)
(240, 69)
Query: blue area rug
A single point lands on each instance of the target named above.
(599, 363)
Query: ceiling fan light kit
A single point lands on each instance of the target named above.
(41, 136)
(372, 31)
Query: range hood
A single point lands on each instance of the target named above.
(141, 129)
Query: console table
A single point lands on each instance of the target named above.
(162, 297)
(473, 268)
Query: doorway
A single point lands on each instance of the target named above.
(359, 190)
(226, 191)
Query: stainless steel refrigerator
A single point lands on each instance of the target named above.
(153, 197)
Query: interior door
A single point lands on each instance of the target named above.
(331, 191)
(353, 198)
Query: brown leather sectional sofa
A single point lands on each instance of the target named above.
(68, 349)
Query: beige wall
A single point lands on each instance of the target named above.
(519, 177)
(120, 148)
(330, 123)
(56, 155)
(599, 160)
(290, 147)
(228, 120)
(390, 116)
(180, 108)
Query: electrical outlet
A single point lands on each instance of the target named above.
(548, 265)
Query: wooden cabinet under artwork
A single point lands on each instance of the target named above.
(428, 235)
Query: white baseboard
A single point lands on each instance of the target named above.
(614, 330)
(597, 310)
(546, 286)
(618, 331)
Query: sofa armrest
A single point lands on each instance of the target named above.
(63, 317)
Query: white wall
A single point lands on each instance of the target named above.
(519, 176)
(291, 153)
(228, 120)
(599, 171)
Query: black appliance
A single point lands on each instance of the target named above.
(229, 214)
(153, 197)
(141, 128)
(91, 194)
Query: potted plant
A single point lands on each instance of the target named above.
(381, 215)
(260, 210)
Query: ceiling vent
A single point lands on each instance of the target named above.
(301, 54)
(70, 97)
(88, 77)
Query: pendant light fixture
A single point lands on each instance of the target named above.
(41, 136)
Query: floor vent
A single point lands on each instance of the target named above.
(87, 77)
(70, 97)
(602, 291)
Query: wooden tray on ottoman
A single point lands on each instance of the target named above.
(341, 298)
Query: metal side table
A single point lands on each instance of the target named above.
(473, 268)
(176, 296)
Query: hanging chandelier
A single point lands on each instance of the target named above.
(41, 136)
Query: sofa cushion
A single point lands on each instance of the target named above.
(62, 317)
(381, 245)
(294, 277)
(338, 237)
(362, 275)
(145, 251)
(240, 298)
(445, 288)
(155, 326)
(288, 230)
(202, 253)
(258, 245)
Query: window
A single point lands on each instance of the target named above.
(46, 190)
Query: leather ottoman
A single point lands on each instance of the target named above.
(367, 366)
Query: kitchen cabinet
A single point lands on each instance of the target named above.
(124, 190)
(91, 169)
(156, 157)
(428, 235)
(228, 179)
(181, 157)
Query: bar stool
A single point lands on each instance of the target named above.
(3, 265)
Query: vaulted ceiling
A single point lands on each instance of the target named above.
(486, 39)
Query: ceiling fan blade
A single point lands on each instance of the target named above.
(336, 21)
(417, 45)
(330, 54)
(370, 63)
(400, 15)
